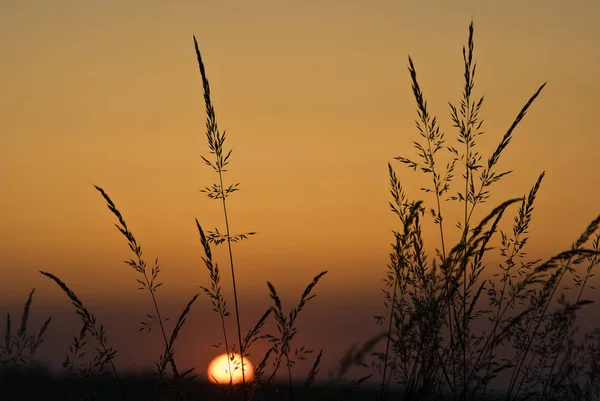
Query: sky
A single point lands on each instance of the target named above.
(316, 100)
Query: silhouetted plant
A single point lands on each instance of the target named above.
(216, 140)
(281, 344)
(17, 354)
(105, 353)
(149, 283)
(431, 346)
(19, 348)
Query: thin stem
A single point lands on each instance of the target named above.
(290, 379)
(235, 297)
(464, 239)
(227, 349)
(162, 329)
(383, 392)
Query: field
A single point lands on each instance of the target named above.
(428, 345)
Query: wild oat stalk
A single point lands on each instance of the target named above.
(469, 128)
(216, 140)
(149, 282)
(434, 142)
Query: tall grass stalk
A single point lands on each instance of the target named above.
(281, 344)
(150, 284)
(216, 140)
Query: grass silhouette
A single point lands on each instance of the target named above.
(445, 325)
(430, 344)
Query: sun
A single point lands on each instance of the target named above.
(218, 370)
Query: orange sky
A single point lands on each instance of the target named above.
(315, 97)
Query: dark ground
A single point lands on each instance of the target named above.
(40, 384)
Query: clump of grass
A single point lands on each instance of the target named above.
(76, 366)
(431, 346)
(19, 348)
(286, 327)
(105, 354)
(17, 353)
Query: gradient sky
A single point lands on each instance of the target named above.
(315, 97)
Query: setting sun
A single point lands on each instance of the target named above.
(218, 370)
